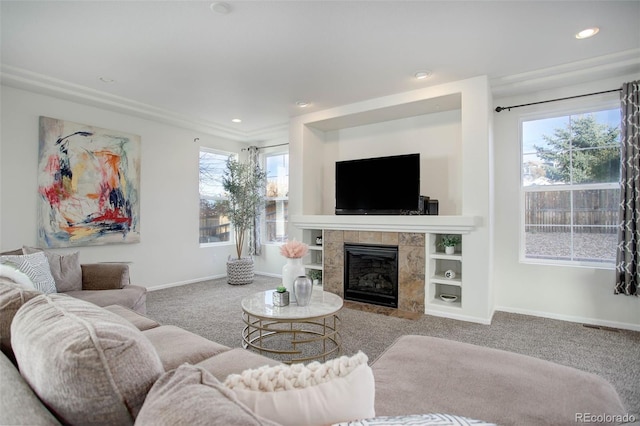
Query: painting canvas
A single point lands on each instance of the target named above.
(89, 185)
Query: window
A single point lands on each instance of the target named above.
(276, 215)
(570, 188)
(214, 227)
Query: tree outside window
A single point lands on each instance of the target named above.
(214, 226)
(570, 174)
(276, 215)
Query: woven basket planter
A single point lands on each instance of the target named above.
(240, 271)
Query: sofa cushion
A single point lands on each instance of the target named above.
(176, 346)
(36, 267)
(65, 268)
(338, 390)
(105, 276)
(140, 321)
(17, 252)
(132, 296)
(12, 297)
(19, 405)
(191, 396)
(468, 380)
(87, 364)
(235, 360)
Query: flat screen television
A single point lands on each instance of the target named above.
(382, 185)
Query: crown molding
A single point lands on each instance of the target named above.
(267, 133)
(615, 64)
(39, 83)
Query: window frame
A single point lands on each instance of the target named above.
(263, 160)
(541, 115)
(232, 236)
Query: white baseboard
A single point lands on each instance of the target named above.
(570, 318)
(484, 321)
(179, 283)
(196, 280)
(269, 274)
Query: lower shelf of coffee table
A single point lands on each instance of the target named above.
(291, 341)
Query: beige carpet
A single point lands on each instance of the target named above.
(212, 310)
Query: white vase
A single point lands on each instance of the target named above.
(449, 249)
(290, 271)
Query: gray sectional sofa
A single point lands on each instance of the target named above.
(102, 284)
(77, 363)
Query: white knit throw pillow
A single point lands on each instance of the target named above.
(301, 394)
(287, 377)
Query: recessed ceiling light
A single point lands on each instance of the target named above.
(586, 33)
(236, 120)
(221, 7)
(421, 75)
(302, 104)
(106, 80)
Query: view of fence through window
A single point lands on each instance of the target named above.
(214, 227)
(570, 183)
(277, 197)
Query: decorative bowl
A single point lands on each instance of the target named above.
(449, 297)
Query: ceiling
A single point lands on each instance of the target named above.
(183, 60)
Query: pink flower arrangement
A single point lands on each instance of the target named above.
(294, 249)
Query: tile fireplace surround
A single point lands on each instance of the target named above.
(411, 262)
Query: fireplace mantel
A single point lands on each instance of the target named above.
(383, 223)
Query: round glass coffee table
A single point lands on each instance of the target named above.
(292, 333)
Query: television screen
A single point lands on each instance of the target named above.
(383, 185)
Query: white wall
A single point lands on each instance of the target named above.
(569, 293)
(169, 251)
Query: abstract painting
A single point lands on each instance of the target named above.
(89, 185)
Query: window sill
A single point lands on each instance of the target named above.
(568, 263)
(219, 244)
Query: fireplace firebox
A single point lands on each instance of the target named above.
(371, 274)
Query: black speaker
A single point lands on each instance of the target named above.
(432, 207)
(423, 204)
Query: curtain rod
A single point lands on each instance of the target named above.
(498, 109)
(269, 146)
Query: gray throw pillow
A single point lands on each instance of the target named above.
(65, 268)
(12, 297)
(190, 395)
(88, 365)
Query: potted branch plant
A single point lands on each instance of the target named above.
(243, 184)
(449, 243)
